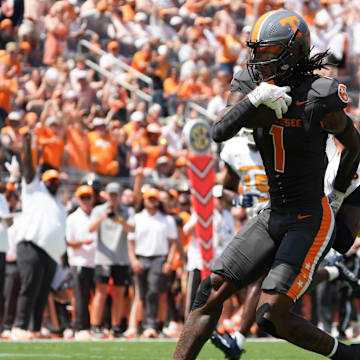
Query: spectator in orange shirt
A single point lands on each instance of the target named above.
(8, 88)
(190, 90)
(52, 144)
(171, 87)
(10, 57)
(7, 33)
(135, 130)
(204, 82)
(128, 11)
(142, 58)
(154, 152)
(102, 150)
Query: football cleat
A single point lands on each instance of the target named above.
(227, 344)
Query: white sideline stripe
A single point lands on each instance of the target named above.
(95, 342)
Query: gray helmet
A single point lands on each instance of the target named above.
(284, 33)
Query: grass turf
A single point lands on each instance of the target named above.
(141, 350)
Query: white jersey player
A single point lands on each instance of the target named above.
(241, 155)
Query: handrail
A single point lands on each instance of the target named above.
(122, 64)
(123, 83)
(201, 110)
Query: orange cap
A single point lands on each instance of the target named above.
(84, 190)
(25, 45)
(181, 161)
(31, 116)
(112, 45)
(5, 23)
(50, 174)
(10, 186)
(101, 5)
(174, 193)
(151, 193)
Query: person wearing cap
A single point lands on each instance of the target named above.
(142, 58)
(40, 242)
(10, 134)
(81, 245)
(51, 143)
(103, 149)
(99, 21)
(109, 221)
(8, 87)
(136, 131)
(151, 254)
(7, 33)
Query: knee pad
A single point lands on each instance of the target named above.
(202, 294)
(343, 239)
(264, 323)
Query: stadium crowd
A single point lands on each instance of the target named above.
(102, 89)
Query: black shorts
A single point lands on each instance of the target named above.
(287, 246)
(119, 273)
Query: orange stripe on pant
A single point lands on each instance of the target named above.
(321, 240)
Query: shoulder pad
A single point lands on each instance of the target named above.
(242, 82)
(330, 93)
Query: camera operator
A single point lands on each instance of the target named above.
(111, 257)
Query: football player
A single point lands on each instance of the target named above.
(287, 240)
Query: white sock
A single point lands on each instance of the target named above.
(240, 339)
(333, 272)
(333, 351)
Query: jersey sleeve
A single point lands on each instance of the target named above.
(242, 82)
(331, 94)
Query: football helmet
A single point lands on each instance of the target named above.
(280, 44)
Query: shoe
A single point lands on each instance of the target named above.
(97, 332)
(116, 332)
(149, 333)
(68, 334)
(83, 335)
(6, 334)
(130, 334)
(173, 330)
(18, 334)
(227, 344)
(346, 275)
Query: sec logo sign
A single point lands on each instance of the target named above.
(197, 136)
(343, 95)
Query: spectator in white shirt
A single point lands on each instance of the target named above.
(41, 243)
(81, 256)
(151, 250)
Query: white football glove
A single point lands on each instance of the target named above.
(272, 96)
(335, 200)
(14, 169)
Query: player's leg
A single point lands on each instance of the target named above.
(248, 256)
(202, 320)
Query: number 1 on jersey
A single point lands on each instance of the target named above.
(279, 151)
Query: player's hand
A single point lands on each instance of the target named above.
(245, 200)
(272, 96)
(335, 200)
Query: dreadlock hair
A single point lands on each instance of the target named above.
(312, 63)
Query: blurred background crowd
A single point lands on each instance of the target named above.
(105, 88)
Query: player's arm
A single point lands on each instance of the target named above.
(341, 125)
(241, 110)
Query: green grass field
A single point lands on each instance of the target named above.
(141, 350)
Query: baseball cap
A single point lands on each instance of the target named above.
(52, 74)
(5, 23)
(70, 94)
(101, 6)
(112, 45)
(140, 16)
(82, 74)
(113, 188)
(31, 116)
(151, 193)
(11, 46)
(153, 128)
(25, 45)
(50, 174)
(162, 160)
(176, 20)
(51, 120)
(181, 161)
(14, 115)
(137, 116)
(98, 121)
(84, 190)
